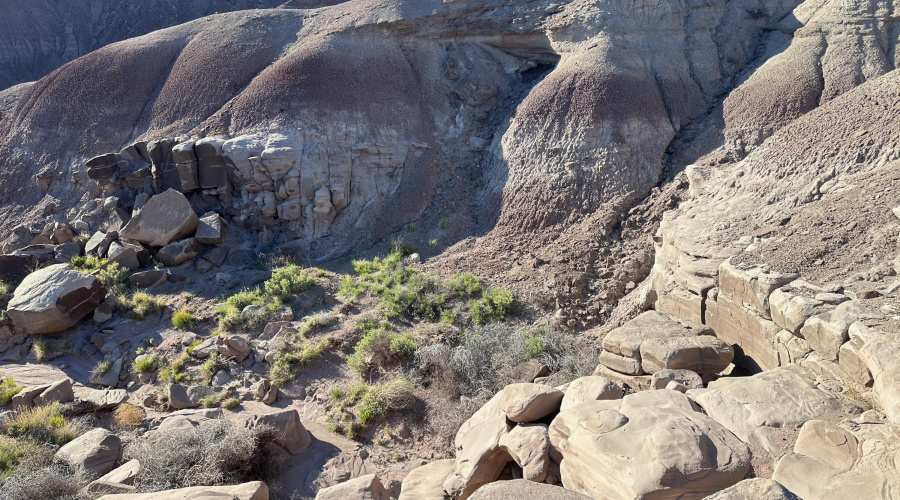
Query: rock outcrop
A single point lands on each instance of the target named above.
(255, 490)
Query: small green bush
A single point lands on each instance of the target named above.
(41, 424)
(411, 227)
(87, 264)
(209, 368)
(113, 277)
(231, 403)
(144, 364)
(385, 396)
(8, 389)
(42, 350)
(534, 345)
(286, 282)
(102, 368)
(183, 319)
(403, 345)
(444, 223)
(466, 284)
(433, 243)
(288, 362)
(142, 305)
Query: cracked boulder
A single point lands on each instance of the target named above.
(165, 218)
(53, 299)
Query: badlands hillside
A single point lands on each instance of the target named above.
(450, 249)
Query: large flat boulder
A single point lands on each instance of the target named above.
(880, 357)
(525, 403)
(591, 388)
(165, 218)
(256, 490)
(362, 488)
(290, 432)
(754, 489)
(651, 444)
(53, 299)
(703, 354)
(754, 407)
(829, 462)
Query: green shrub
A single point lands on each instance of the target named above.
(183, 319)
(403, 345)
(231, 403)
(411, 227)
(433, 243)
(175, 372)
(534, 345)
(144, 364)
(113, 277)
(401, 247)
(385, 396)
(40, 424)
(288, 281)
(8, 389)
(142, 305)
(465, 284)
(42, 350)
(444, 223)
(288, 361)
(11, 453)
(194, 344)
(87, 264)
(216, 400)
(210, 367)
(102, 368)
(6, 293)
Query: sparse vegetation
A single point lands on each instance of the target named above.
(144, 364)
(8, 389)
(128, 415)
(298, 350)
(113, 276)
(210, 367)
(175, 372)
(433, 243)
(286, 283)
(361, 405)
(43, 350)
(183, 319)
(411, 227)
(40, 425)
(216, 400)
(6, 293)
(102, 368)
(87, 263)
(213, 453)
(142, 305)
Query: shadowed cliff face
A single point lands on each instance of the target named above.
(38, 36)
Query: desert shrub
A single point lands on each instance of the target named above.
(444, 223)
(484, 359)
(433, 243)
(56, 482)
(216, 400)
(128, 415)
(42, 350)
(362, 404)
(403, 345)
(231, 403)
(210, 367)
(213, 453)
(6, 294)
(494, 305)
(298, 351)
(142, 305)
(113, 277)
(466, 284)
(145, 364)
(87, 264)
(183, 319)
(230, 316)
(400, 247)
(11, 452)
(175, 372)
(411, 227)
(446, 416)
(102, 368)
(288, 281)
(40, 424)
(8, 389)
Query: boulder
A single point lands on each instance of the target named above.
(362, 488)
(290, 432)
(99, 243)
(111, 377)
(123, 474)
(754, 407)
(829, 462)
(179, 252)
(105, 399)
(94, 452)
(826, 332)
(63, 254)
(687, 378)
(427, 482)
(525, 403)
(880, 357)
(209, 229)
(233, 347)
(655, 444)
(58, 392)
(124, 256)
(13, 265)
(704, 354)
(479, 458)
(790, 311)
(148, 279)
(751, 284)
(256, 490)
(529, 447)
(165, 218)
(754, 489)
(53, 299)
(621, 346)
(97, 488)
(181, 397)
(521, 489)
(589, 389)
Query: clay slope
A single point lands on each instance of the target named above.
(36, 37)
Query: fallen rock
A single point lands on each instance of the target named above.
(94, 452)
(182, 397)
(831, 462)
(754, 407)
(362, 488)
(704, 354)
(165, 218)
(124, 256)
(754, 489)
(53, 299)
(209, 230)
(529, 447)
(234, 347)
(179, 252)
(96, 488)
(525, 403)
(111, 377)
(590, 389)
(826, 332)
(148, 279)
(256, 490)
(105, 399)
(123, 474)
(427, 482)
(57, 392)
(655, 445)
(479, 458)
(880, 357)
(521, 489)
(790, 311)
(99, 243)
(621, 346)
(290, 432)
